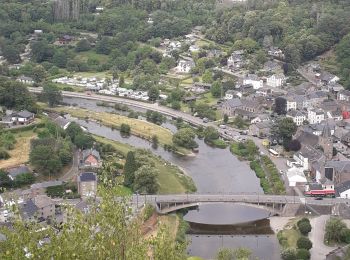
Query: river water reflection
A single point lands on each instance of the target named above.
(214, 171)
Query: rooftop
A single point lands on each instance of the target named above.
(88, 176)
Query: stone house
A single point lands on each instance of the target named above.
(276, 80)
(260, 129)
(87, 184)
(315, 116)
(297, 116)
(185, 66)
(343, 95)
(252, 79)
(245, 107)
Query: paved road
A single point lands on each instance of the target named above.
(73, 170)
(319, 250)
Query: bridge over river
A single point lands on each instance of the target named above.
(276, 204)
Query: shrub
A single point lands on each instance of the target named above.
(4, 155)
(125, 129)
(303, 254)
(304, 228)
(288, 254)
(304, 243)
(345, 235)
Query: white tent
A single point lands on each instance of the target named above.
(296, 175)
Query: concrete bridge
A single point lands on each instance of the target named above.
(276, 204)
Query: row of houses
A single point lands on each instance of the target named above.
(16, 118)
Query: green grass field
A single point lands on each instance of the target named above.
(91, 54)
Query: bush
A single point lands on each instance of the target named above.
(288, 254)
(304, 243)
(304, 228)
(148, 211)
(345, 235)
(303, 254)
(4, 155)
(125, 129)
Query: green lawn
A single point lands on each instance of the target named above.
(289, 235)
(207, 98)
(102, 74)
(170, 178)
(91, 54)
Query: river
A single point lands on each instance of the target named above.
(214, 171)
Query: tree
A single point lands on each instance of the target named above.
(145, 181)
(125, 129)
(280, 106)
(15, 95)
(5, 180)
(45, 160)
(155, 141)
(285, 129)
(153, 94)
(294, 145)
(303, 254)
(304, 227)
(83, 141)
(73, 130)
(304, 243)
(345, 235)
(225, 118)
(129, 169)
(83, 45)
(185, 138)
(207, 77)
(288, 254)
(11, 54)
(210, 134)
(24, 179)
(292, 55)
(215, 89)
(60, 59)
(39, 73)
(239, 122)
(334, 227)
(52, 95)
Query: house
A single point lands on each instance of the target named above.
(185, 66)
(296, 176)
(271, 66)
(343, 190)
(16, 171)
(315, 98)
(276, 80)
(297, 116)
(25, 80)
(275, 52)
(45, 207)
(328, 78)
(334, 87)
(38, 31)
(260, 118)
(189, 99)
(246, 108)
(315, 116)
(230, 94)
(337, 171)
(87, 184)
(62, 122)
(261, 129)
(90, 158)
(252, 79)
(306, 155)
(295, 101)
(39, 208)
(23, 117)
(236, 60)
(65, 39)
(343, 95)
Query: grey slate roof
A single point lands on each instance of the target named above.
(24, 114)
(342, 187)
(88, 176)
(28, 209)
(234, 102)
(13, 172)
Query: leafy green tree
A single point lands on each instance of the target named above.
(39, 73)
(185, 138)
(24, 179)
(125, 129)
(60, 59)
(303, 254)
(210, 134)
(84, 141)
(130, 168)
(207, 77)
(65, 156)
(280, 106)
(285, 129)
(334, 227)
(226, 118)
(45, 160)
(345, 235)
(73, 130)
(83, 45)
(11, 54)
(288, 254)
(153, 94)
(146, 180)
(155, 141)
(15, 95)
(304, 243)
(216, 89)
(51, 94)
(5, 181)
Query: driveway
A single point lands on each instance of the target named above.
(319, 250)
(73, 170)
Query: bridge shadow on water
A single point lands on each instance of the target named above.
(257, 227)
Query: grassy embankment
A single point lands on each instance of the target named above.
(20, 153)
(171, 178)
(263, 167)
(139, 128)
(290, 234)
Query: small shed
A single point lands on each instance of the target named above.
(296, 176)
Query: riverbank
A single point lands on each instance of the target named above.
(262, 165)
(140, 128)
(171, 179)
